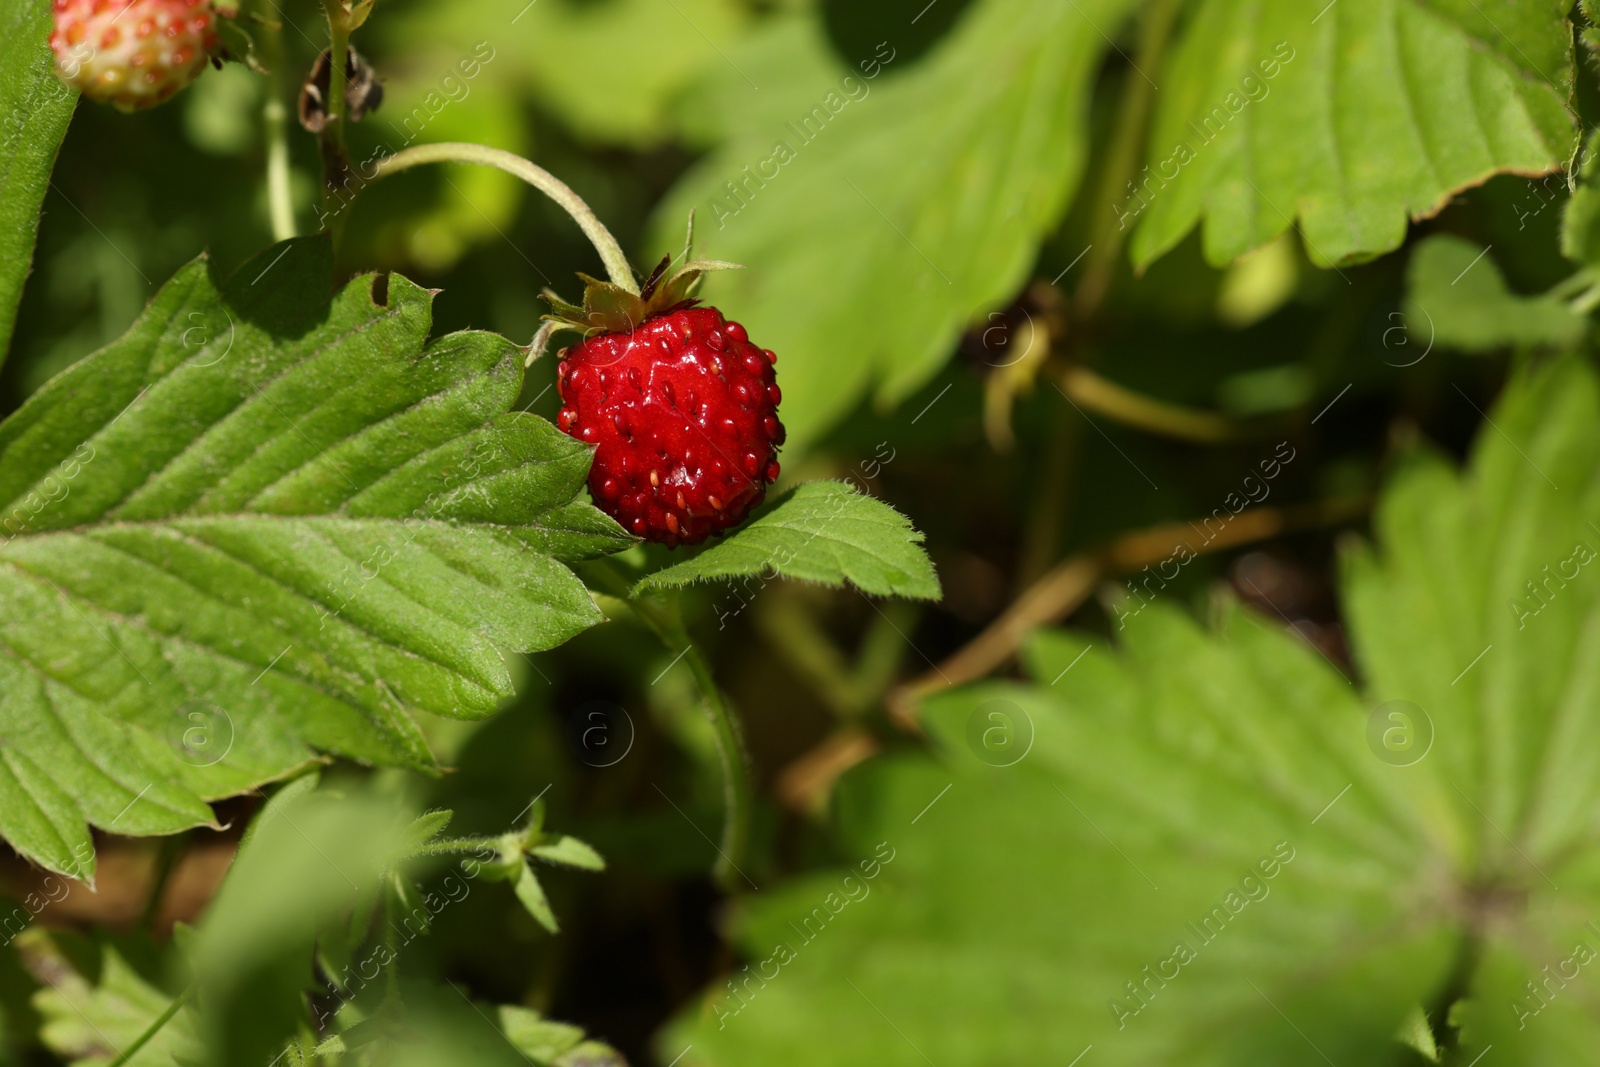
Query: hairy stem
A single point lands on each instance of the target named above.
(275, 126)
(663, 619)
(335, 157)
(611, 253)
(454, 846)
(736, 792)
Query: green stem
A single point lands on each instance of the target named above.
(127, 1054)
(1122, 160)
(664, 620)
(167, 855)
(457, 845)
(335, 157)
(793, 634)
(611, 253)
(1046, 527)
(736, 793)
(1106, 397)
(275, 125)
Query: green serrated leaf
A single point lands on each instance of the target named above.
(823, 532)
(425, 828)
(813, 179)
(90, 1024)
(1351, 118)
(531, 894)
(35, 108)
(263, 525)
(1456, 295)
(569, 852)
(1212, 848)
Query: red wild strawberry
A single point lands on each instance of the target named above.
(132, 53)
(682, 409)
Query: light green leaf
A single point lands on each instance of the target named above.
(88, 1025)
(824, 532)
(35, 108)
(569, 852)
(1351, 117)
(879, 215)
(1415, 1032)
(440, 1027)
(611, 71)
(315, 858)
(1455, 292)
(423, 829)
(536, 1037)
(531, 893)
(1211, 848)
(258, 527)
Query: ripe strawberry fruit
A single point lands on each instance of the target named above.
(132, 53)
(682, 409)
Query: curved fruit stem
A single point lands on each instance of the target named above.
(735, 769)
(663, 619)
(548, 184)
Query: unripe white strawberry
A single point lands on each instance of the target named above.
(132, 53)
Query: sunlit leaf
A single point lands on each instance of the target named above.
(1350, 118)
(879, 209)
(824, 532)
(260, 526)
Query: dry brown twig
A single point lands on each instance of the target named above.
(1067, 585)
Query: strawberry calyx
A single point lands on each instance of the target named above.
(610, 308)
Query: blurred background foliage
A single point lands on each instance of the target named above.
(986, 157)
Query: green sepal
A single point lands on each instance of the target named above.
(609, 308)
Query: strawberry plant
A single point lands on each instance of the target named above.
(1084, 554)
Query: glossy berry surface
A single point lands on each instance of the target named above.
(132, 53)
(683, 414)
